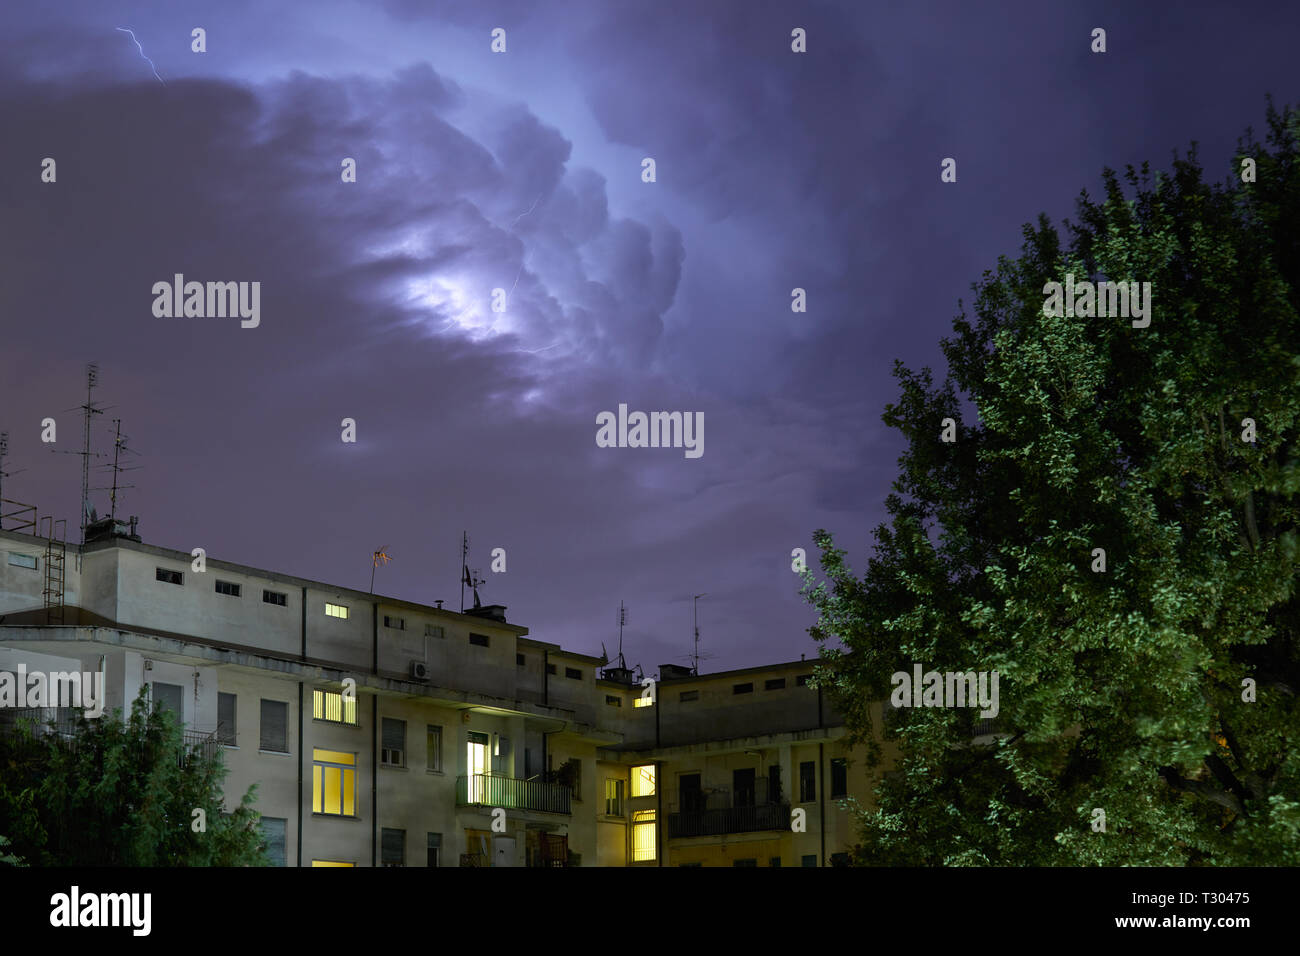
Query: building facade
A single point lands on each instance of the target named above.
(384, 732)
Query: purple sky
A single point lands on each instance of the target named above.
(523, 170)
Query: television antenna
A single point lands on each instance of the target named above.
(119, 448)
(4, 450)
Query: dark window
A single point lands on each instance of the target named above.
(228, 588)
(810, 860)
(839, 859)
(434, 630)
(802, 680)
(519, 659)
(396, 623)
(839, 777)
(689, 794)
(573, 673)
(550, 668)
(774, 783)
(746, 862)
(775, 861)
(169, 697)
(275, 597)
(273, 831)
(689, 695)
(169, 577)
(807, 781)
(393, 752)
(479, 640)
(433, 747)
(776, 683)
(226, 720)
(742, 787)
(742, 688)
(434, 844)
(393, 847)
(613, 700)
(275, 726)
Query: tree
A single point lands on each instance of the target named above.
(1158, 687)
(121, 793)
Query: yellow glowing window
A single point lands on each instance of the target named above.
(336, 610)
(643, 835)
(643, 702)
(643, 781)
(330, 863)
(334, 783)
(327, 705)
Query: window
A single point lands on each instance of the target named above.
(689, 695)
(434, 630)
(839, 859)
(392, 844)
(226, 719)
(477, 761)
(433, 747)
(776, 683)
(742, 688)
(519, 659)
(393, 753)
(839, 777)
(22, 560)
(749, 861)
(273, 831)
(169, 697)
(275, 726)
(169, 577)
(334, 783)
(396, 623)
(573, 673)
(550, 668)
(228, 588)
(336, 610)
(275, 597)
(807, 781)
(479, 640)
(334, 707)
(643, 835)
(330, 863)
(613, 797)
(802, 680)
(810, 859)
(613, 700)
(774, 783)
(642, 702)
(643, 780)
(434, 845)
(775, 861)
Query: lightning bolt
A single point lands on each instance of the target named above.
(145, 58)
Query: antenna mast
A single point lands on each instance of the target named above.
(622, 619)
(92, 379)
(695, 669)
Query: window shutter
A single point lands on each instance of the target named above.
(394, 741)
(273, 831)
(226, 718)
(275, 726)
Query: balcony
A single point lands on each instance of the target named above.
(509, 793)
(718, 821)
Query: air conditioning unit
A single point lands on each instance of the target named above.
(419, 670)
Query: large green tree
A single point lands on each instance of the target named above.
(120, 793)
(1162, 689)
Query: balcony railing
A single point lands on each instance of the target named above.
(723, 820)
(488, 790)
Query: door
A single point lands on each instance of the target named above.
(690, 798)
(742, 787)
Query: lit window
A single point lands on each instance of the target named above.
(334, 707)
(643, 781)
(643, 702)
(643, 835)
(613, 797)
(334, 783)
(22, 560)
(330, 863)
(336, 610)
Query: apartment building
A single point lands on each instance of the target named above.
(385, 732)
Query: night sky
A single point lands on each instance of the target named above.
(478, 170)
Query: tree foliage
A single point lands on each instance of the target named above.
(120, 793)
(1120, 690)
